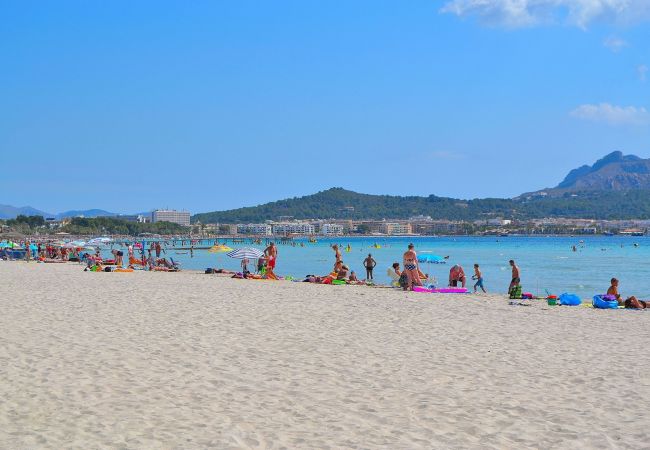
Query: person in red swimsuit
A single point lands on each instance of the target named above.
(271, 252)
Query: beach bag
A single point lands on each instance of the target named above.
(567, 299)
(515, 292)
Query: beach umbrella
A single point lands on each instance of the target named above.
(99, 241)
(219, 248)
(432, 259)
(246, 253)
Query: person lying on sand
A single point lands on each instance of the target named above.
(630, 303)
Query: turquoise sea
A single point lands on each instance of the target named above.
(546, 263)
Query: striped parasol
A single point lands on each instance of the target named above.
(246, 253)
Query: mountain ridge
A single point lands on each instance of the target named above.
(615, 186)
(615, 171)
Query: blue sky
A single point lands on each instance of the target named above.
(210, 105)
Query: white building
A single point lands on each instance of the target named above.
(293, 228)
(499, 222)
(260, 229)
(331, 229)
(171, 215)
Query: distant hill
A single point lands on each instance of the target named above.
(614, 172)
(86, 213)
(338, 203)
(10, 212)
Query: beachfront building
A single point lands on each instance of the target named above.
(303, 228)
(433, 227)
(371, 226)
(138, 218)
(171, 215)
(258, 229)
(396, 228)
(331, 229)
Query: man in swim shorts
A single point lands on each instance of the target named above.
(478, 276)
(369, 264)
(516, 280)
(457, 274)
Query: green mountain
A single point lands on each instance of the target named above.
(616, 186)
(338, 203)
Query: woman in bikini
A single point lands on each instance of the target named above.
(411, 268)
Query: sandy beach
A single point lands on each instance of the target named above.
(187, 360)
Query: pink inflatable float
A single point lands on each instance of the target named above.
(440, 290)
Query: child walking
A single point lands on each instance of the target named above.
(478, 276)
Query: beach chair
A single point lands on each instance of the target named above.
(394, 278)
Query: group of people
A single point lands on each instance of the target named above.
(412, 275)
(457, 277)
(630, 302)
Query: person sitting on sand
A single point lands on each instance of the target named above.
(353, 277)
(394, 273)
(244, 266)
(457, 274)
(342, 274)
(630, 303)
(261, 264)
(162, 262)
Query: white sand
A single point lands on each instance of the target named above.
(160, 360)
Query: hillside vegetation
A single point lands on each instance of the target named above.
(337, 203)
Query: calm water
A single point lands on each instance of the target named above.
(545, 262)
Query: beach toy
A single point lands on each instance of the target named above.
(422, 289)
(569, 299)
(605, 302)
(551, 300)
(338, 282)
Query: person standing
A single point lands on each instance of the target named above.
(478, 276)
(158, 248)
(516, 277)
(271, 253)
(369, 264)
(411, 268)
